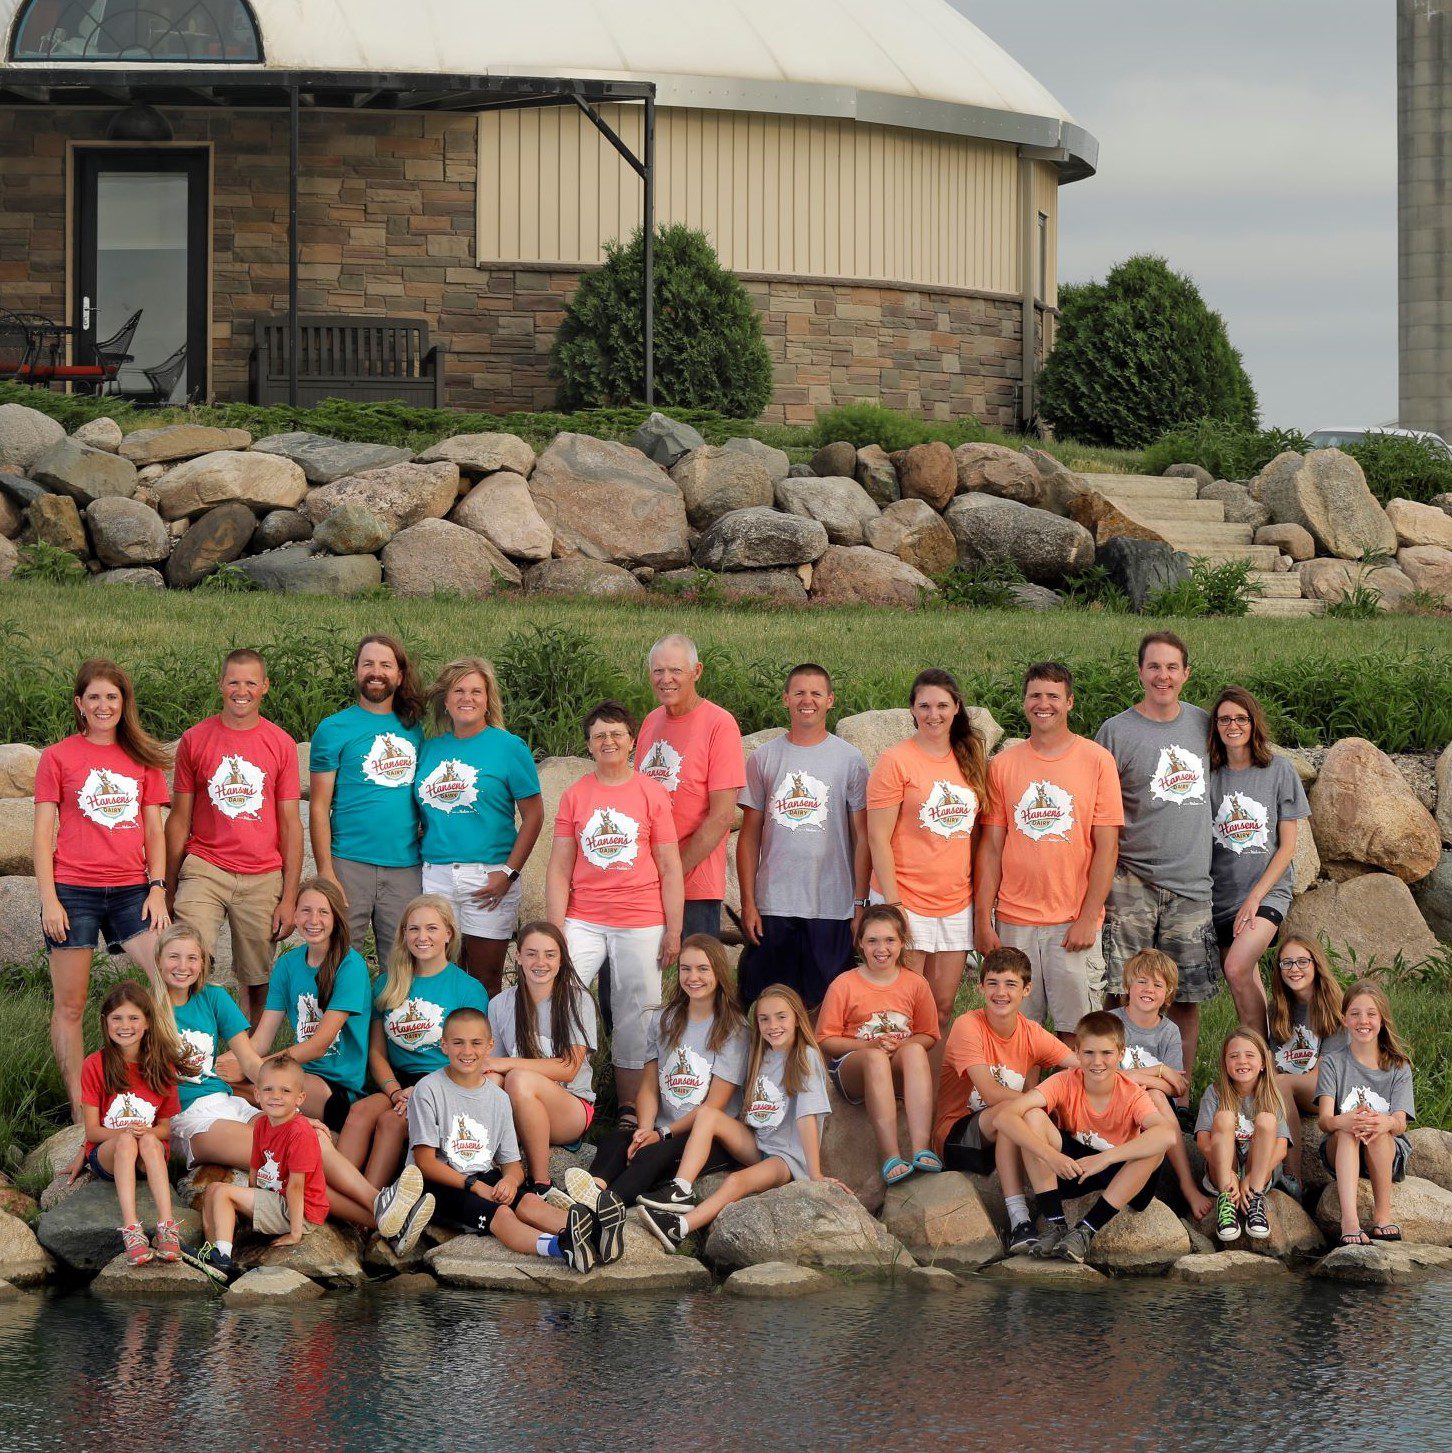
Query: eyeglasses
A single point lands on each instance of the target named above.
(1296, 963)
(1233, 720)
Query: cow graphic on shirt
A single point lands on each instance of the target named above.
(885, 1021)
(1179, 776)
(610, 839)
(390, 761)
(1093, 1140)
(1363, 1097)
(1003, 1076)
(800, 801)
(196, 1059)
(685, 1078)
(309, 1018)
(1045, 812)
(129, 1112)
(766, 1106)
(236, 788)
(1299, 1053)
(949, 811)
(110, 799)
(1242, 825)
(663, 764)
(1138, 1058)
(269, 1173)
(450, 787)
(416, 1022)
(466, 1146)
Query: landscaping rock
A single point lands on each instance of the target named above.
(1241, 508)
(400, 495)
(352, 529)
(12, 518)
(926, 472)
(1429, 568)
(775, 461)
(1035, 597)
(481, 454)
(555, 775)
(833, 460)
(808, 1223)
(1292, 540)
(54, 520)
(1373, 914)
(1325, 492)
(664, 440)
(932, 1280)
(18, 761)
(757, 539)
(873, 732)
(81, 1230)
(1417, 524)
(1388, 1264)
(1294, 1235)
(434, 557)
(328, 1255)
(1198, 473)
(1431, 1157)
(25, 434)
(857, 575)
(324, 459)
(55, 1153)
(997, 470)
(260, 481)
(913, 531)
(1444, 793)
(9, 559)
(83, 473)
(280, 527)
(1058, 484)
(1363, 812)
(502, 509)
(1306, 769)
(1306, 861)
(219, 536)
(942, 1222)
(23, 1260)
(877, 474)
(1135, 1243)
(777, 1281)
(17, 1203)
(781, 587)
(295, 570)
(17, 829)
(272, 1284)
(579, 575)
(409, 1284)
(713, 482)
(1105, 520)
(1433, 896)
(1045, 547)
(1219, 1268)
(191, 1188)
(19, 491)
(118, 1281)
(609, 502)
(180, 441)
(124, 532)
(842, 506)
(1140, 568)
(1053, 1273)
(1333, 580)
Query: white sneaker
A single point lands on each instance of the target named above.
(580, 1186)
(413, 1226)
(393, 1203)
(557, 1198)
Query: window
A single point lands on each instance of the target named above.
(1043, 291)
(149, 32)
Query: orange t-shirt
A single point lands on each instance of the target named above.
(1050, 807)
(972, 1042)
(1069, 1108)
(855, 1008)
(932, 841)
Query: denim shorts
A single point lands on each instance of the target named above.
(112, 915)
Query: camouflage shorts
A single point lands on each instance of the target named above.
(1137, 916)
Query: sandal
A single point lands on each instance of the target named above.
(895, 1169)
(1385, 1231)
(926, 1160)
(1355, 1238)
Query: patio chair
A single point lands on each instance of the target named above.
(161, 378)
(112, 352)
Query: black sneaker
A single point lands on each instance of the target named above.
(609, 1228)
(1227, 1220)
(1186, 1116)
(577, 1240)
(1023, 1240)
(1257, 1224)
(414, 1225)
(665, 1226)
(672, 1198)
(222, 1269)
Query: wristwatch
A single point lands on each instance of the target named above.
(861, 902)
(664, 1132)
(511, 873)
(156, 882)
(471, 1180)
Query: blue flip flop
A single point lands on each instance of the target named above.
(894, 1170)
(925, 1160)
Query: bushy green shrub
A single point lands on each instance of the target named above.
(1400, 468)
(988, 586)
(1138, 353)
(891, 429)
(1228, 451)
(1211, 590)
(709, 352)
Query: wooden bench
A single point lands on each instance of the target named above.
(366, 359)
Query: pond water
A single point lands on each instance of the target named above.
(1305, 1365)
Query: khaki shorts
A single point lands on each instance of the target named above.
(1061, 987)
(376, 899)
(269, 1214)
(1138, 916)
(206, 895)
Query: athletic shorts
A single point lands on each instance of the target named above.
(1099, 1181)
(965, 1149)
(467, 1210)
(1138, 916)
(335, 1109)
(1225, 926)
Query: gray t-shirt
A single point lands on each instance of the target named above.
(1351, 1085)
(1246, 810)
(1163, 780)
(501, 1021)
(1245, 1120)
(473, 1130)
(806, 796)
(773, 1114)
(1299, 1053)
(1146, 1049)
(685, 1070)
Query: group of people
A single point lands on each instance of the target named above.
(1136, 865)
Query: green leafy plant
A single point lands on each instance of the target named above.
(1094, 589)
(1401, 468)
(1360, 603)
(228, 579)
(42, 561)
(1228, 450)
(891, 429)
(984, 587)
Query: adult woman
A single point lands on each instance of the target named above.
(923, 801)
(100, 853)
(1256, 801)
(473, 778)
(615, 885)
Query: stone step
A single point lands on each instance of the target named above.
(1141, 486)
(1173, 511)
(1260, 557)
(1282, 606)
(1196, 537)
(1277, 584)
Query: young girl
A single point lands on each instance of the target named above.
(128, 1098)
(544, 1035)
(781, 1139)
(1243, 1136)
(1364, 1091)
(1305, 1022)
(876, 1026)
(422, 987)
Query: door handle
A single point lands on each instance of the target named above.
(85, 315)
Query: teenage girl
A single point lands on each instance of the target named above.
(422, 987)
(1243, 1136)
(1364, 1090)
(128, 1098)
(781, 1139)
(876, 1026)
(544, 1035)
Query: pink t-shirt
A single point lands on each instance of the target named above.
(236, 779)
(100, 794)
(615, 881)
(692, 756)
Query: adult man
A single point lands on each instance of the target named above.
(1160, 896)
(363, 819)
(802, 853)
(1047, 852)
(692, 747)
(234, 842)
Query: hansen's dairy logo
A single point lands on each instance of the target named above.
(684, 1078)
(109, 799)
(1044, 811)
(309, 1016)
(450, 786)
(885, 1021)
(663, 764)
(1179, 776)
(1300, 1052)
(196, 1058)
(390, 761)
(236, 788)
(1137, 1058)
(1242, 825)
(1363, 1097)
(766, 1107)
(949, 811)
(269, 1173)
(129, 1112)
(610, 839)
(466, 1146)
(1093, 1139)
(800, 800)
(414, 1023)
(1003, 1076)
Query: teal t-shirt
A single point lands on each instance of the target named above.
(412, 1033)
(467, 789)
(294, 990)
(375, 757)
(208, 1022)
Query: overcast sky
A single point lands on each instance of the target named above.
(1253, 144)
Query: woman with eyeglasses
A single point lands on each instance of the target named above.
(1256, 805)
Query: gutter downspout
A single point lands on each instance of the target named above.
(1028, 326)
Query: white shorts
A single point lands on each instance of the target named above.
(634, 979)
(201, 1115)
(458, 882)
(950, 935)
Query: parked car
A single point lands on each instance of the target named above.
(1340, 438)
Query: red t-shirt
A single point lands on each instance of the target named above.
(282, 1151)
(136, 1107)
(236, 779)
(100, 794)
(615, 881)
(692, 756)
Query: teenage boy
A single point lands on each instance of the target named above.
(1160, 896)
(234, 843)
(802, 854)
(1046, 855)
(363, 817)
(1088, 1129)
(461, 1136)
(994, 1054)
(692, 747)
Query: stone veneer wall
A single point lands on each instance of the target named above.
(387, 226)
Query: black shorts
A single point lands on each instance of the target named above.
(1225, 927)
(805, 954)
(467, 1210)
(336, 1107)
(1099, 1181)
(965, 1150)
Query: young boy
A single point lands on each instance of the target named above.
(461, 1136)
(993, 1055)
(1153, 1053)
(1088, 1129)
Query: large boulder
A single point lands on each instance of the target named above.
(1433, 896)
(555, 775)
(17, 830)
(1044, 546)
(324, 459)
(758, 539)
(81, 1230)
(328, 1254)
(1422, 1210)
(997, 470)
(55, 520)
(1325, 492)
(1292, 540)
(352, 529)
(25, 434)
(9, 558)
(83, 473)
(12, 517)
(1306, 861)
(611, 503)
(941, 1220)
(807, 1223)
(502, 509)
(1385, 1264)
(219, 536)
(1363, 813)
(1333, 580)
(913, 531)
(1415, 524)
(877, 474)
(842, 506)
(127, 532)
(434, 557)
(23, 1260)
(873, 732)
(1058, 484)
(48, 1159)
(1220, 1268)
(296, 570)
(280, 527)
(836, 458)
(400, 494)
(1373, 915)
(272, 1284)
(1105, 520)
(927, 472)
(1135, 1243)
(1140, 568)
(857, 575)
(777, 1281)
(1294, 1236)
(260, 481)
(120, 1281)
(713, 482)
(1443, 772)
(1429, 568)
(480, 454)
(1241, 507)
(579, 575)
(180, 441)
(18, 491)
(780, 587)
(18, 761)
(775, 461)
(1431, 1157)
(665, 440)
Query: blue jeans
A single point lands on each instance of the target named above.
(110, 914)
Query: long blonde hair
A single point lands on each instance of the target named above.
(799, 1057)
(402, 965)
(165, 1009)
(449, 676)
(1266, 1096)
(726, 1016)
(1391, 1048)
(1323, 1012)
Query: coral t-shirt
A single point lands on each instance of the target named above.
(615, 828)
(137, 1107)
(1069, 1108)
(100, 794)
(973, 1042)
(932, 841)
(692, 756)
(236, 779)
(282, 1151)
(856, 1008)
